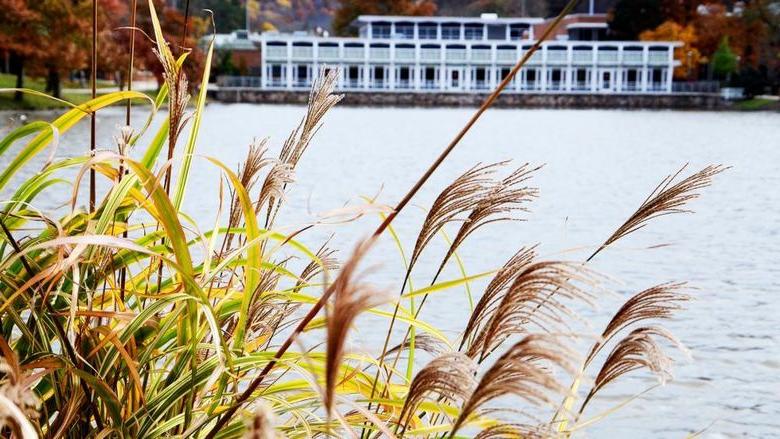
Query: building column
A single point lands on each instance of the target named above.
(670, 69)
(263, 68)
(645, 71)
(289, 72)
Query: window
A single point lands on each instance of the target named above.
(404, 31)
(427, 31)
(556, 79)
(380, 30)
(657, 75)
(379, 73)
(450, 31)
(353, 76)
(404, 73)
(496, 32)
(474, 31)
(302, 74)
(516, 31)
(430, 73)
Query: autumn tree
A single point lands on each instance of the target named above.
(172, 24)
(349, 10)
(16, 21)
(688, 55)
(63, 34)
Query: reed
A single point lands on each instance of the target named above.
(152, 328)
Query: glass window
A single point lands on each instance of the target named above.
(380, 30)
(474, 31)
(427, 31)
(450, 32)
(516, 31)
(404, 30)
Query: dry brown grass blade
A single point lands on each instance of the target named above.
(350, 298)
(657, 303)
(639, 349)
(423, 342)
(461, 196)
(450, 376)
(327, 262)
(503, 198)
(535, 297)
(321, 99)
(666, 199)
(248, 175)
(525, 371)
(495, 291)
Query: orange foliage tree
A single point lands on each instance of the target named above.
(15, 21)
(349, 10)
(688, 55)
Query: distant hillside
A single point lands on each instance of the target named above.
(290, 15)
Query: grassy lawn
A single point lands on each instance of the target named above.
(32, 102)
(756, 104)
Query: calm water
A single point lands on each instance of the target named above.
(599, 166)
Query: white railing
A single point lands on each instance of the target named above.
(657, 58)
(632, 57)
(428, 54)
(556, 57)
(506, 55)
(404, 54)
(329, 53)
(608, 56)
(302, 52)
(276, 52)
(456, 55)
(354, 53)
(480, 55)
(582, 57)
(380, 53)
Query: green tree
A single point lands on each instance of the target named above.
(724, 61)
(229, 15)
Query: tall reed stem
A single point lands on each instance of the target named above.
(254, 384)
(93, 80)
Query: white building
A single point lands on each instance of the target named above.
(467, 55)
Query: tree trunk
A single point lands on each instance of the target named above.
(18, 63)
(53, 83)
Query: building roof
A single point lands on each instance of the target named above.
(484, 19)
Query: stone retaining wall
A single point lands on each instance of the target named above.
(527, 100)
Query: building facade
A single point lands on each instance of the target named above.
(468, 55)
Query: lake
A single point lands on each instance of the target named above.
(599, 166)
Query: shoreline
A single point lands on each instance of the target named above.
(677, 101)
